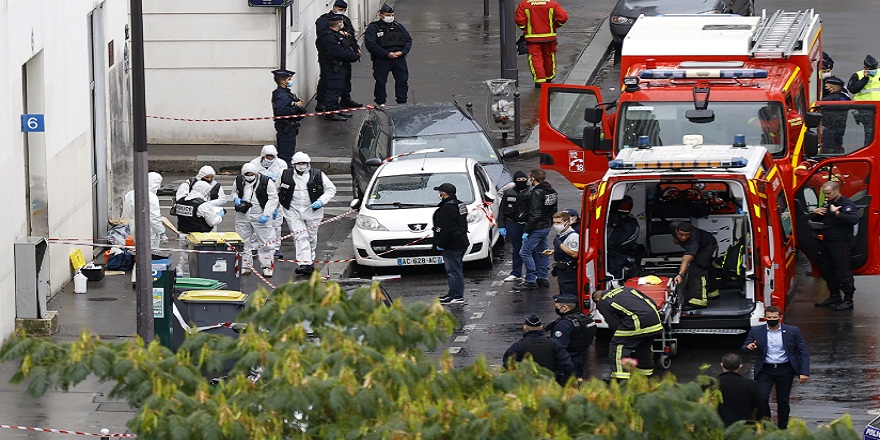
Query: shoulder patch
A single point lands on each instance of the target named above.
(557, 333)
(462, 209)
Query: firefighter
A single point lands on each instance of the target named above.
(700, 248)
(544, 351)
(838, 215)
(388, 43)
(539, 19)
(635, 321)
(573, 330)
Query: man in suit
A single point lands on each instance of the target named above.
(781, 355)
(741, 396)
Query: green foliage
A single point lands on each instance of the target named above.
(362, 372)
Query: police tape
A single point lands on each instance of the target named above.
(264, 118)
(349, 260)
(65, 431)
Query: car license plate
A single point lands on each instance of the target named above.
(410, 261)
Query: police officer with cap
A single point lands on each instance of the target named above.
(388, 43)
(834, 121)
(544, 351)
(335, 53)
(573, 330)
(450, 238)
(287, 105)
(322, 24)
(838, 216)
(865, 86)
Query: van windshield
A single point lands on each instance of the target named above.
(665, 123)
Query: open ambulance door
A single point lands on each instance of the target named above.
(858, 182)
(592, 234)
(563, 125)
(774, 236)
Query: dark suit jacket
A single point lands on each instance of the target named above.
(742, 399)
(792, 341)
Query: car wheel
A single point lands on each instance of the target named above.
(356, 190)
(363, 271)
(489, 261)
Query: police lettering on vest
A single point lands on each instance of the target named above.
(188, 220)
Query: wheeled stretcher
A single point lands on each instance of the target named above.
(665, 296)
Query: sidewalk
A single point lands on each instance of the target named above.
(454, 53)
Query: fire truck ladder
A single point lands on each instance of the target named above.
(780, 35)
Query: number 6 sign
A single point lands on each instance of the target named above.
(31, 123)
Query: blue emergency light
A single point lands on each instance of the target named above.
(620, 164)
(702, 73)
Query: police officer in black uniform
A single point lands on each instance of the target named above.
(834, 121)
(838, 216)
(321, 24)
(565, 254)
(545, 351)
(573, 330)
(286, 103)
(335, 53)
(388, 43)
(450, 238)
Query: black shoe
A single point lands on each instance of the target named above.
(538, 85)
(830, 301)
(345, 115)
(542, 282)
(846, 305)
(689, 307)
(445, 299)
(319, 107)
(334, 117)
(348, 103)
(400, 102)
(279, 255)
(525, 285)
(304, 269)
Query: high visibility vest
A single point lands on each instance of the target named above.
(871, 91)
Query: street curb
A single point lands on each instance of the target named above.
(344, 251)
(232, 164)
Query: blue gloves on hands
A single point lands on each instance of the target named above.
(317, 204)
(272, 176)
(237, 201)
(439, 248)
(502, 231)
(275, 215)
(525, 236)
(263, 219)
(221, 213)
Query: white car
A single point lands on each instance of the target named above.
(394, 225)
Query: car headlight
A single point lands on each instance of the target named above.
(369, 223)
(474, 216)
(620, 19)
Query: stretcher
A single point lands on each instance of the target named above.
(665, 297)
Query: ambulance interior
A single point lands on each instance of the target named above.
(714, 206)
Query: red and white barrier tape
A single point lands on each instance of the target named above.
(263, 118)
(176, 312)
(65, 431)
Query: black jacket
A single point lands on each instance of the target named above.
(542, 206)
(839, 227)
(741, 399)
(333, 47)
(394, 37)
(450, 224)
(283, 105)
(514, 206)
(323, 24)
(545, 352)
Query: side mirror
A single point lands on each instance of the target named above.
(700, 116)
(811, 143)
(509, 153)
(593, 115)
(373, 162)
(355, 204)
(812, 119)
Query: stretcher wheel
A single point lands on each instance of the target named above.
(673, 348)
(665, 361)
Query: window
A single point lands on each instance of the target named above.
(368, 133)
(845, 129)
(784, 216)
(566, 111)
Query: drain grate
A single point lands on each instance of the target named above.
(104, 299)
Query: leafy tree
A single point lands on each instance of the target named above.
(362, 372)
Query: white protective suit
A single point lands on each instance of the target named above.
(207, 211)
(301, 218)
(272, 169)
(248, 226)
(206, 170)
(157, 229)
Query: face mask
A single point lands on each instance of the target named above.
(267, 163)
(388, 19)
(872, 72)
(301, 168)
(250, 178)
(342, 12)
(559, 227)
(521, 184)
(826, 74)
(290, 84)
(772, 322)
(560, 312)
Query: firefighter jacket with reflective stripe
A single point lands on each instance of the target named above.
(870, 87)
(629, 312)
(539, 19)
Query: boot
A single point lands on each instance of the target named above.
(349, 103)
(334, 117)
(845, 305)
(831, 301)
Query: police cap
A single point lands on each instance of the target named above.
(835, 81)
(447, 187)
(335, 18)
(565, 299)
(341, 4)
(283, 73)
(386, 9)
(827, 62)
(533, 321)
(572, 212)
(870, 62)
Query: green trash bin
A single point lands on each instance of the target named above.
(201, 308)
(187, 284)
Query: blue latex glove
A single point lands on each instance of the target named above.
(263, 219)
(222, 213)
(317, 204)
(502, 232)
(525, 236)
(275, 215)
(272, 176)
(237, 201)
(439, 248)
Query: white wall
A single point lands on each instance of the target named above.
(212, 60)
(56, 33)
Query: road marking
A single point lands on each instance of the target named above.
(462, 338)
(484, 304)
(476, 315)
(454, 350)
(491, 292)
(469, 327)
(497, 283)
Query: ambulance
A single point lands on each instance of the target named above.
(735, 192)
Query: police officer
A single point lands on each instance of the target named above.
(302, 194)
(195, 214)
(286, 103)
(838, 215)
(635, 321)
(565, 254)
(512, 219)
(272, 167)
(700, 248)
(216, 196)
(865, 86)
(542, 206)
(255, 199)
(834, 121)
(544, 351)
(335, 53)
(573, 330)
(321, 24)
(388, 43)
(450, 238)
